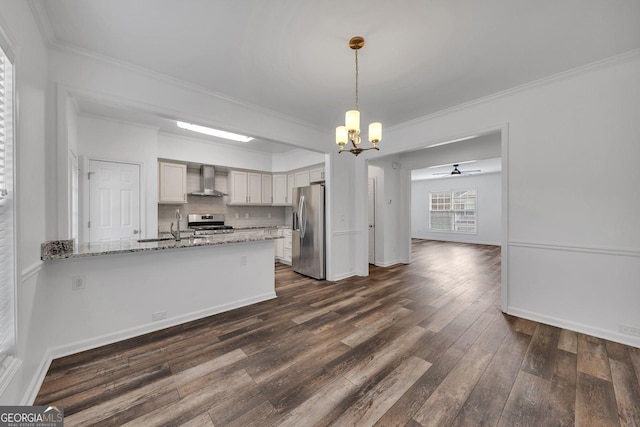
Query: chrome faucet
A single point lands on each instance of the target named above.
(176, 234)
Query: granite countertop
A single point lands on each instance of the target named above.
(64, 249)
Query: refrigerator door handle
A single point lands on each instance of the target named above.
(303, 217)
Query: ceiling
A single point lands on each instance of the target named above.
(292, 56)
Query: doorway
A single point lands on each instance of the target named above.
(114, 201)
(372, 220)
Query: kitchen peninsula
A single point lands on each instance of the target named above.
(101, 293)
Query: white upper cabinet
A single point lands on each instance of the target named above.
(316, 174)
(302, 178)
(238, 182)
(291, 183)
(246, 188)
(267, 189)
(172, 183)
(254, 188)
(279, 188)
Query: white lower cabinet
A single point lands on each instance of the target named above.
(287, 246)
(283, 247)
(279, 249)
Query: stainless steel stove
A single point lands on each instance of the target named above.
(206, 224)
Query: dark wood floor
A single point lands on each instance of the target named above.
(419, 344)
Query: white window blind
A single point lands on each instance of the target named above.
(453, 210)
(7, 224)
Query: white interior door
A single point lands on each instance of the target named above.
(372, 220)
(114, 201)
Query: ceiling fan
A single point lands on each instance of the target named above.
(457, 171)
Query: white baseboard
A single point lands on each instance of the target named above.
(389, 263)
(36, 382)
(8, 369)
(475, 242)
(84, 345)
(577, 327)
(343, 276)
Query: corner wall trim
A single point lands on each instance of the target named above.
(31, 270)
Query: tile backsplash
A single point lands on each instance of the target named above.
(257, 215)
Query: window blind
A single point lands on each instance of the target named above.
(453, 211)
(7, 224)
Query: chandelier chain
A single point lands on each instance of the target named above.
(357, 107)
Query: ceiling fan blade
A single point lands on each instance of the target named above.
(442, 173)
(472, 171)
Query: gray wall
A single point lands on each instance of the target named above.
(488, 216)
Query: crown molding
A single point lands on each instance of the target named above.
(606, 62)
(42, 20)
(91, 115)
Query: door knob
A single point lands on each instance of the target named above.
(136, 231)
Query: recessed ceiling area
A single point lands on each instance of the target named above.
(168, 125)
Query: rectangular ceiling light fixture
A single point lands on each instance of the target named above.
(214, 132)
(452, 141)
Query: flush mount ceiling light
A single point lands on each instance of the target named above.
(350, 132)
(451, 141)
(214, 132)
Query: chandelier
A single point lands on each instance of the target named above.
(350, 132)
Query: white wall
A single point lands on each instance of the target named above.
(341, 217)
(567, 136)
(296, 159)
(31, 168)
(488, 208)
(111, 140)
(198, 151)
(389, 206)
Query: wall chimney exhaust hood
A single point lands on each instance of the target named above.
(207, 177)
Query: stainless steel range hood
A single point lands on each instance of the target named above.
(207, 177)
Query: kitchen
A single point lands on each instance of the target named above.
(244, 271)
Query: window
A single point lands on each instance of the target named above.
(7, 224)
(453, 210)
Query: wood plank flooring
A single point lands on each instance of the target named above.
(420, 344)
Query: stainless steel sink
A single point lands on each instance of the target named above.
(161, 239)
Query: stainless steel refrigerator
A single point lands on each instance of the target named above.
(308, 245)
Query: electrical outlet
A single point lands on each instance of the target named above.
(237, 215)
(243, 260)
(77, 283)
(246, 216)
(268, 214)
(629, 330)
(160, 315)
